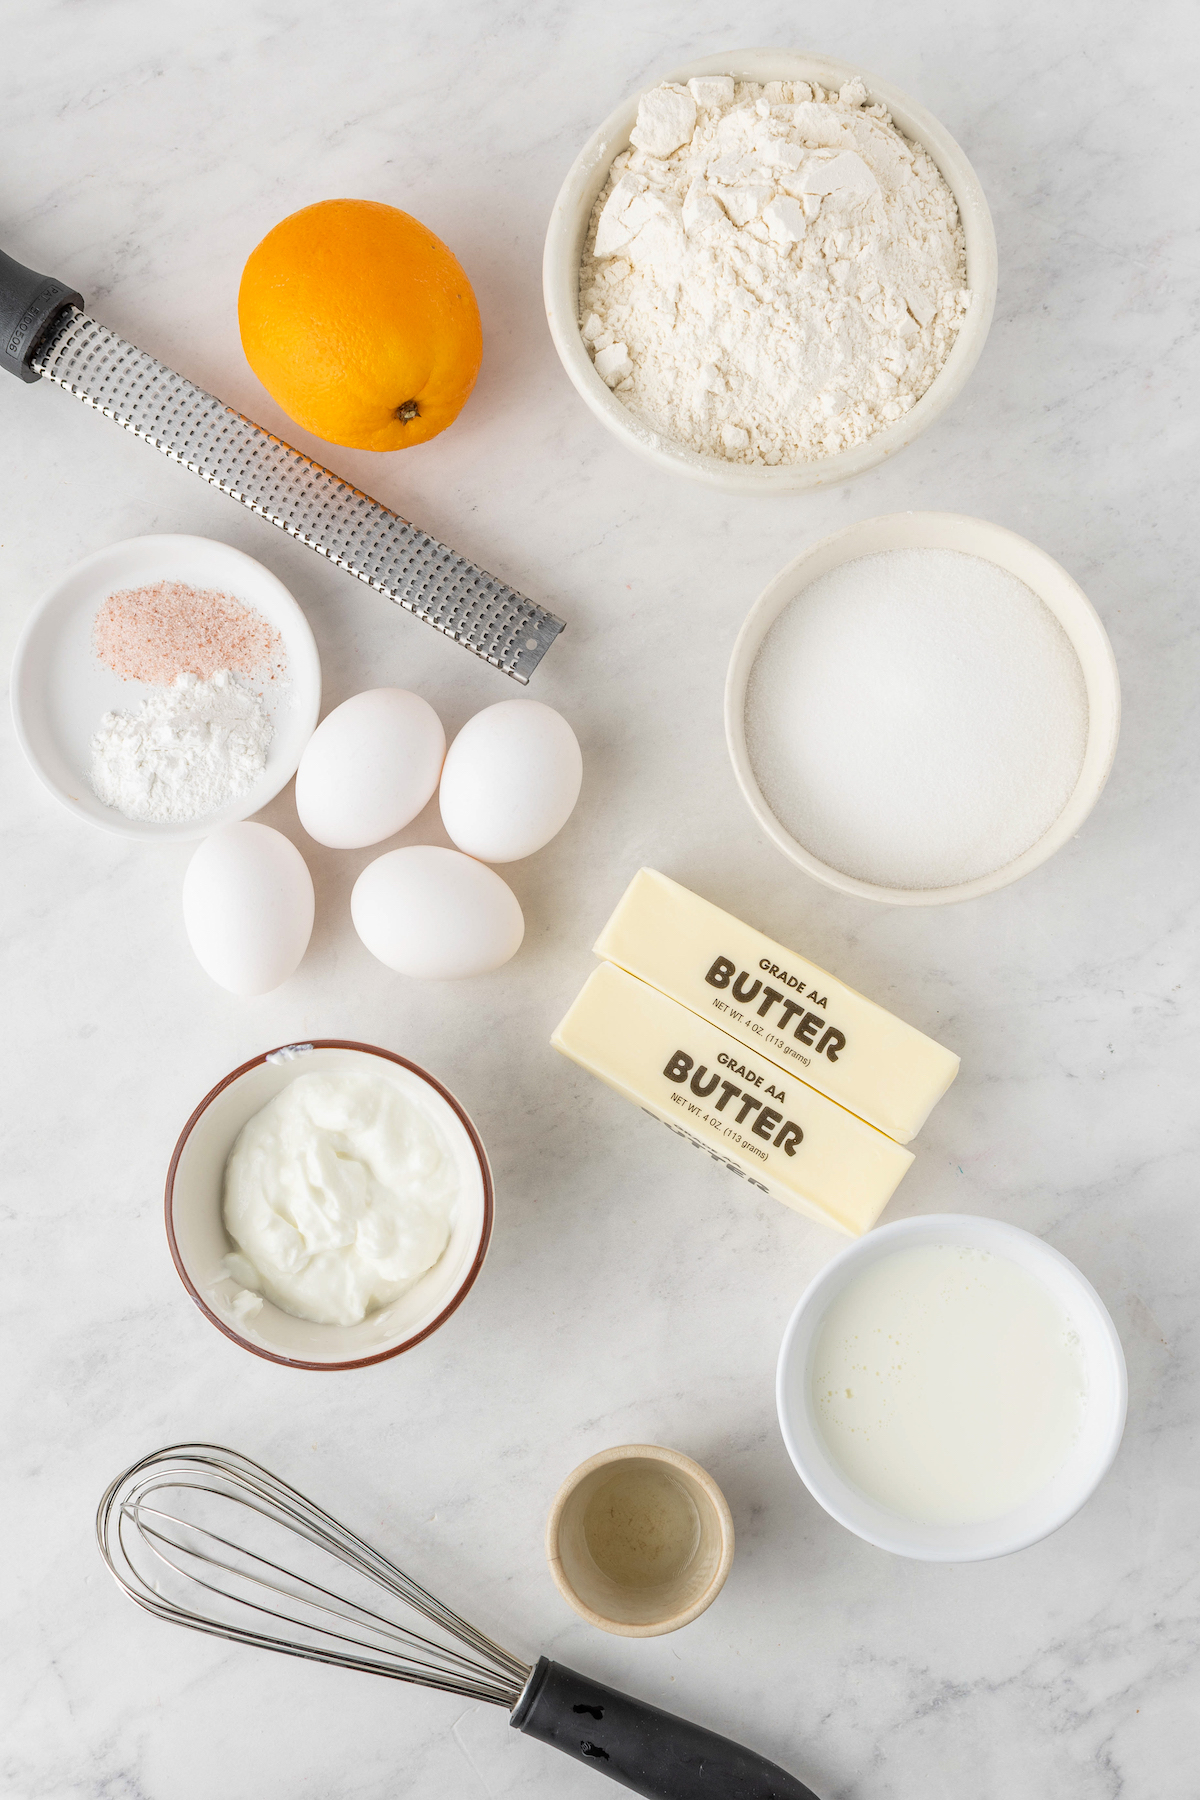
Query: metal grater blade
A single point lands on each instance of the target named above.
(309, 502)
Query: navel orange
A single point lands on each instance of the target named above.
(361, 324)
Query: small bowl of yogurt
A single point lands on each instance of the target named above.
(328, 1205)
(951, 1388)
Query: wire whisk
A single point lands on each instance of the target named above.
(206, 1538)
(195, 1524)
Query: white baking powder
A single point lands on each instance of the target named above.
(771, 273)
(185, 753)
(916, 718)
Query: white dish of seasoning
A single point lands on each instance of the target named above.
(975, 538)
(933, 1533)
(61, 690)
(569, 226)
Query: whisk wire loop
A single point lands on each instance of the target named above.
(157, 1527)
(351, 1614)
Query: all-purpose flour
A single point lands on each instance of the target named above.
(184, 753)
(771, 273)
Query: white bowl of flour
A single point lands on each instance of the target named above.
(764, 291)
(922, 708)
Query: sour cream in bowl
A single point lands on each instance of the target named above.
(951, 1388)
(328, 1205)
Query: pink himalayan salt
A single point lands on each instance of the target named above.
(160, 632)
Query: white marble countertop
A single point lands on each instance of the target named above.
(634, 1291)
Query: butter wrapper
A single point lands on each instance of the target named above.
(778, 1005)
(765, 1125)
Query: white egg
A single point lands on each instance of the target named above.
(369, 768)
(248, 907)
(510, 781)
(436, 914)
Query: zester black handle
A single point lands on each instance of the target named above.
(651, 1752)
(29, 305)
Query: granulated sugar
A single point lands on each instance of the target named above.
(158, 632)
(916, 718)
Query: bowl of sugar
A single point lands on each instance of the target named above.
(951, 1388)
(922, 708)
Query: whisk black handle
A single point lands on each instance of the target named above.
(29, 305)
(651, 1752)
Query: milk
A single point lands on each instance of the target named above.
(948, 1384)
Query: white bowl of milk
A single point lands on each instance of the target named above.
(951, 1388)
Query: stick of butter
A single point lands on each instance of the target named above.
(778, 1004)
(781, 1135)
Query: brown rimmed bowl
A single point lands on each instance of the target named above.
(199, 1242)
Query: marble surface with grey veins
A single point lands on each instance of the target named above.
(634, 1291)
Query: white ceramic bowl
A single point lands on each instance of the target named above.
(568, 229)
(61, 690)
(1086, 1463)
(1053, 586)
(199, 1242)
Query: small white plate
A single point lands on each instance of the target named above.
(61, 690)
